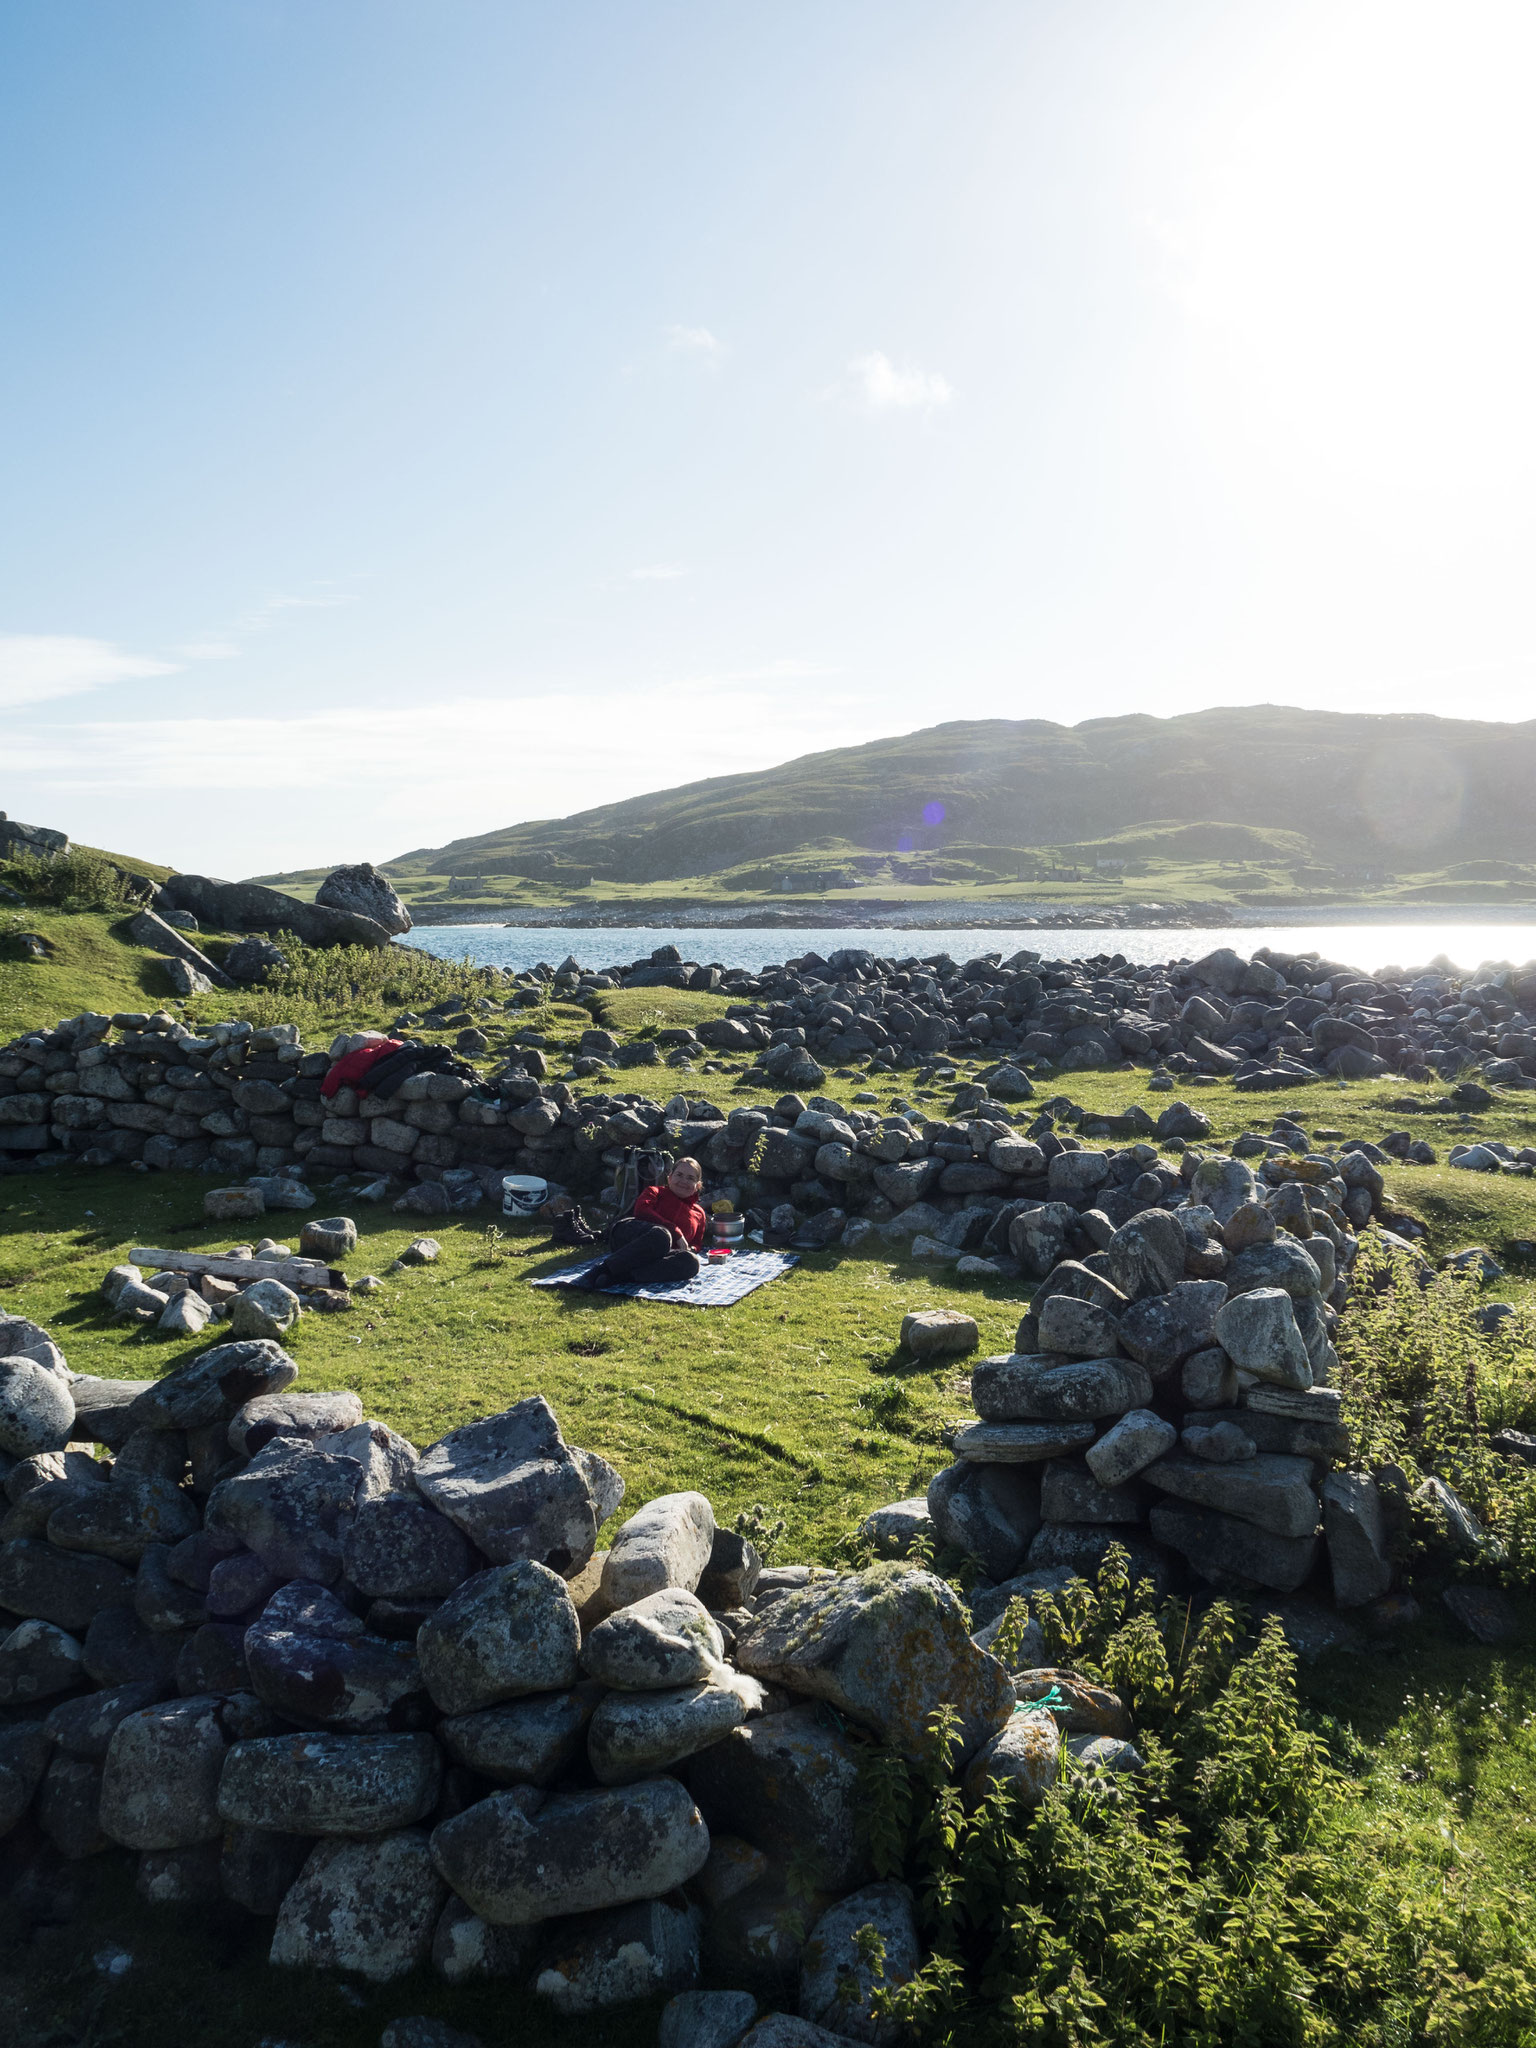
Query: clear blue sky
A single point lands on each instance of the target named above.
(419, 417)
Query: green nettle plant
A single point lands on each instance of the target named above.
(1229, 1895)
(1423, 1389)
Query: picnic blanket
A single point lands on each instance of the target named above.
(716, 1284)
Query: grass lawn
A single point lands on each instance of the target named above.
(796, 1399)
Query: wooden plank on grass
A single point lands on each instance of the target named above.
(292, 1272)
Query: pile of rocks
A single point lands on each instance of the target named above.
(399, 1704)
(1170, 1389)
(1267, 1022)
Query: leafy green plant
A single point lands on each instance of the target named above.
(1220, 1896)
(763, 1534)
(1417, 1377)
(76, 880)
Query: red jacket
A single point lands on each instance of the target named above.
(660, 1205)
(350, 1069)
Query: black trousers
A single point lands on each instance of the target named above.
(641, 1251)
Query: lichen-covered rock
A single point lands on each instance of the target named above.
(85, 1726)
(400, 1549)
(524, 1742)
(1258, 1332)
(1130, 1446)
(37, 1661)
(518, 1490)
(1229, 1552)
(37, 1410)
(636, 1734)
(837, 1982)
(1015, 1388)
(160, 1786)
(69, 1806)
(291, 1414)
(790, 1785)
(213, 1387)
(466, 1949)
(666, 1639)
(597, 1960)
(666, 1544)
(706, 2019)
(939, 1333)
(1272, 1491)
(292, 1505)
(311, 1659)
(369, 1906)
(523, 1855)
(1025, 1755)
(330, 1784)
(264, 1309)
(504, 1633)
(986, 1511)
(69, 1589)
(887, 1645)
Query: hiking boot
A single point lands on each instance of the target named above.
(571, 1228)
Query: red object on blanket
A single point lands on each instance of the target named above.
(352, 1068)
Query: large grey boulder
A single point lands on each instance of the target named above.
(518, 1490)
(1258, 1333)
(1227, 1551)
(264, 1309)
(1043, 1388)
(1271, 1491)
(364, 892)
(1222, 1185)
(160, 1784)
(37, 1410)
(887, 1645)
(1146, 1255)
(1070, 1493)
(252, 907)
(837, 1982)
(37, 1661)
(523, 1855)
(1284, 1264)
(989, 1512)
(504, 1633)
(706, 2019)
(67, 1588)
(292, 1414)
(1026, 1756)
(598, 1960)
(1355, 1531)
(635, 1734)
(369, 1906)
(123, 1520)
(292, 1505)
(1134, 1442)
(311, 1659)
(523, 1742)
(20, 1337)
(321, 1784)
(667, 1543)
(1162, 1330)
(213, 1387)
(400, 1549)
(1020, 1443)
(85, 1726)
(666, 1639)
(790, 1784)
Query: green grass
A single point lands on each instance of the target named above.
(94, 966)
(637, 1012)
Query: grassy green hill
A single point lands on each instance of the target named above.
(1265, 805)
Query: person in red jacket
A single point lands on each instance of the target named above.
(660, 1239)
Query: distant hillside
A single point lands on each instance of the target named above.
(996, 797)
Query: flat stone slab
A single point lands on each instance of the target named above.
(1020, 1443)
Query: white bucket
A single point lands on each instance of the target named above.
(523, 1194)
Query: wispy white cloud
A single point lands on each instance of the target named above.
(591, 748)
(885, 386)
(35, 667)
(658, 572)
(695, 341)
